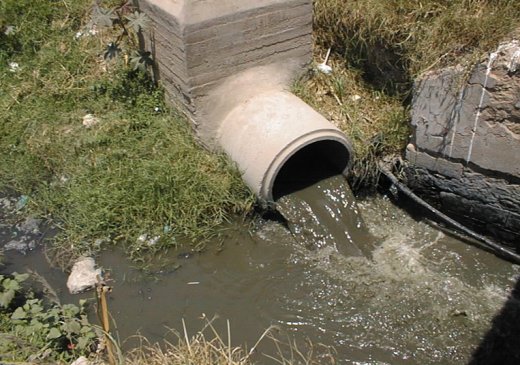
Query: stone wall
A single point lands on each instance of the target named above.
(465, 151)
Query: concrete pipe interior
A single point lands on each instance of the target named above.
(309, 165)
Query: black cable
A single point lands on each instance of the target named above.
(494, 247)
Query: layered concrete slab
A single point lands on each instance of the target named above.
(475, 121)
(199, 44)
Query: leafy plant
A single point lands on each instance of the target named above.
(128, 23)
(30, 330)
(9, 287)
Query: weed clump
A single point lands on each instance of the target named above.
(207, 347)
(92, 143)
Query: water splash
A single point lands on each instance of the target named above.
(421, 298)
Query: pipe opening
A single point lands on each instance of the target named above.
(309, 165)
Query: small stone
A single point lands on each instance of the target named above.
(83, 276)
(355, 97)
(410, 147)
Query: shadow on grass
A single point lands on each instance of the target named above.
(501, 344)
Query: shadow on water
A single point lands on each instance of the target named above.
(501, 344)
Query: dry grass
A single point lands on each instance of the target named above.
(375, 122)
(393, 41)
(207, 347)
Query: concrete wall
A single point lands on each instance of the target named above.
(200, 44)
(465, 151)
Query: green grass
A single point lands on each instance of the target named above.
(138, 171)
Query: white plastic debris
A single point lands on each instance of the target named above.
(150, 241)
(323, 67)
(93, 30)
(355, 97)
(87, 32)
(14, 66)
(10, 29)
(83, 276)
(90, 120)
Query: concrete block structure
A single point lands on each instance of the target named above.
(229, 64)
(200, 44)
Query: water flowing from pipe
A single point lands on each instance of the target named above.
(326, 215)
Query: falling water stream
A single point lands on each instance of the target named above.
(325, 214)
(386, 289)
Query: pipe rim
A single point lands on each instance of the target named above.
(297, 145)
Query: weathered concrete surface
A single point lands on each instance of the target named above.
(478, 124)
(198, 44)
(465, 151)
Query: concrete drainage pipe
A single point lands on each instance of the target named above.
(281, 144)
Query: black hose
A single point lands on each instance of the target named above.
(486, 243)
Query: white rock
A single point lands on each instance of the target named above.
(84, 275)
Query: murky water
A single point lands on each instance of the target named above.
(421, 298)
(326, 215)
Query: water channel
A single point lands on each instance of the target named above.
(417, 296)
